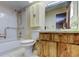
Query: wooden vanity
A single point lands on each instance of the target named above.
(52, 44)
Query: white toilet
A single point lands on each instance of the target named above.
(28, 45)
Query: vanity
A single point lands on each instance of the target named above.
(58, 44)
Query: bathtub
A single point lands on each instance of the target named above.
(11, 48)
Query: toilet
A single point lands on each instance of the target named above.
(28, 45)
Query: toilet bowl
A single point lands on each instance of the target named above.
(28, 45)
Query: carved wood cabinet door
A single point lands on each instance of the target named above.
(63, 37)
(47, 49)
(76, 39)
(64, 50)
(59, 44)
(52, 49)
(75, 51)
(60, 37)
(45, 36)
(71, 38)
(56, 37)
(43, 49)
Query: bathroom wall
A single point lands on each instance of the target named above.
(8, 19)
(74, 12)
(50, 19)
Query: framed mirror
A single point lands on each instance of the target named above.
(61, 15)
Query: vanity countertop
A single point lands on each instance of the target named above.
(57, 31)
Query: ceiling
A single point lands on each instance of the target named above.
(14, 4)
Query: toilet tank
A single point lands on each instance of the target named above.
(35, 35)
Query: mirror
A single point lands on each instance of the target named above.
(61, 15)
(61, 20)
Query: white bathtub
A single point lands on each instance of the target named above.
(11, 48)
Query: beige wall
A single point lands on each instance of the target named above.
(74, 19)
(8, 19)
(50, 19)
(25, 22)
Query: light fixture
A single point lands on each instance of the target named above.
(1, 15)
(51, 3)
(55, 3)
(31, 1)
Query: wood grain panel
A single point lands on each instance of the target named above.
(40, 49)
(38, 46)
(44, 36)
(75, 51)
(56, 37)
(63, 38)
(52, 37)
(71, 38)
(60, 37)
(43, 49)
(41, 36)
(59, 44)
(76, 39)
(46, 49)
(52, 49)
(64, 50)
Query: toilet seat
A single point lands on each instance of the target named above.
(27, 41)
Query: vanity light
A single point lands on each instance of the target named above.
(31, 1)
(1, 15)
(53, 3)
